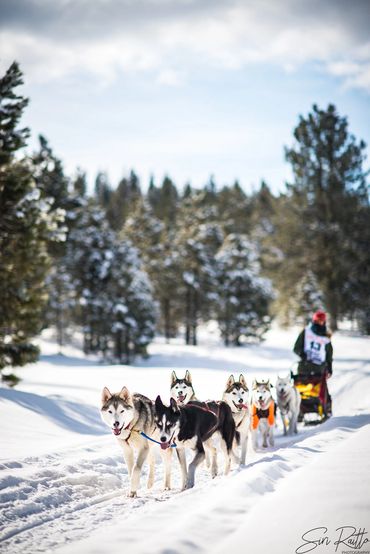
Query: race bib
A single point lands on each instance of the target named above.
(314, 346)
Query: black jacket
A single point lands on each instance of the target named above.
(318, 330)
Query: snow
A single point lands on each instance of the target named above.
(63, 480)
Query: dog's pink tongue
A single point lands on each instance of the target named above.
(244, 406)
(165, 445)
(116, 431)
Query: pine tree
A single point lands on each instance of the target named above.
(27, 225)
(123, 200)
(321, 209)
(66, 200)
(198, 238)
(12, 106)
(243, 295)
(234, 209)
(166, 208)
(103, 190)
(113, 293)
(160, 261)
(308, 297)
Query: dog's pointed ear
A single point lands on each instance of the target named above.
(188, 376)
(173, 405)
(254, 384)
(125, 394)
(242, 381)
(105, 395)
(158, 403)
(173, 378)
(230, 381)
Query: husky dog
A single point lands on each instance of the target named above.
(226, 432)
(236, 396)
(128, 416)
(289, 403)
(187, 426)
(182, 389)
(263, 409)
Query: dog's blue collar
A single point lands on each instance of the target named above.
(153, 440)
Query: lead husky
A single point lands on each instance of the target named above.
(236, 396)
(263, 413)
(182, 389)
(289, 403)
(128, 416)
(188, 426)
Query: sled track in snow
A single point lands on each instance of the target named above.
(74, 497)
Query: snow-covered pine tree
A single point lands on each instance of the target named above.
(307, 297)
(133, 312)
(27, 225)
(160, 261)
(89, 257)
(243, 295)
(198, 238)
(51, 180)
(116, 308)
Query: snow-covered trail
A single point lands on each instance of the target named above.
(59, 499)
(63, 480)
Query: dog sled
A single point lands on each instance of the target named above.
(311, 383)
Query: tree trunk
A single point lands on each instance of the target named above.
(187, 315)
(167, 319)
(118, 345)
(127, 347)
(194, 318)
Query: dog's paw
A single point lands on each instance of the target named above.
(132, 494)
(166, 489)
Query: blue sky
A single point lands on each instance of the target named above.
(186, 88)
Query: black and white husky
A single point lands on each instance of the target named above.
(182, 392)
(289, 403)
(236, 396)
(187, 426)
(182, 389)
(128, 416)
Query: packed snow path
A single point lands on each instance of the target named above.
(63, 480)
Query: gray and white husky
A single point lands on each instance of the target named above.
(236, 395)
(129, 415)
(263, 411)
(289, 402)
(182, 389)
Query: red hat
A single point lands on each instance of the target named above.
(319, 317)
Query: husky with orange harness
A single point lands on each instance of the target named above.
(263, 412)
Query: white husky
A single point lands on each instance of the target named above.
(236, 395)
(289, 402)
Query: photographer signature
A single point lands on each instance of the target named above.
(348, 536)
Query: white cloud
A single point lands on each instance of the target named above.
(171, 38)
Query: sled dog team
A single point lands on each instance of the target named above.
(139, 423)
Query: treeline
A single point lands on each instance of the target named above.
(129, 259)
